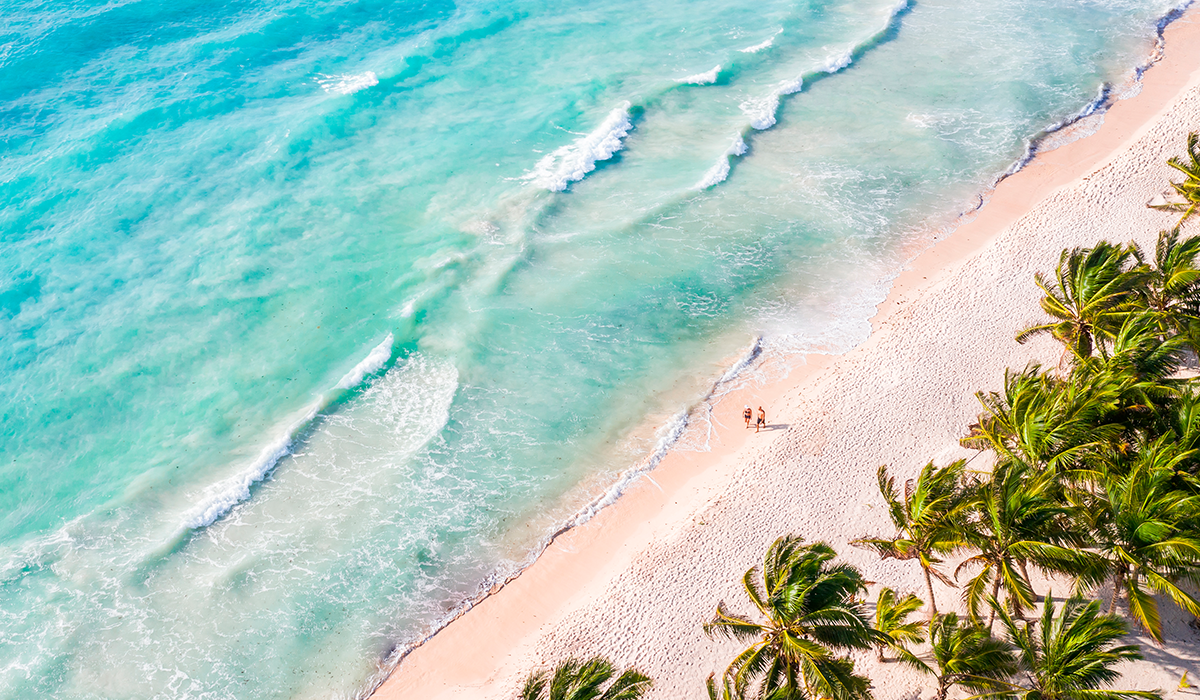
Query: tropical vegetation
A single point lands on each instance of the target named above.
(1189, 189)
(1092, 474)
(807, 612)
(576, 679)
(891, 618)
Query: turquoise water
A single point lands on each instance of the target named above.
(316, 319)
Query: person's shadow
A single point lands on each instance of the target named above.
(775, 426)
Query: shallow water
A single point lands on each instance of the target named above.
(316, 319)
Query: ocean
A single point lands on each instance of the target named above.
(318, 319)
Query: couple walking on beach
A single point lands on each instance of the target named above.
(762, 418)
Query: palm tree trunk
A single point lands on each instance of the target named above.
(879, 649)
(1025, 572)
(929, 586)
(943, 688)
(995, 593)
(1118, 583)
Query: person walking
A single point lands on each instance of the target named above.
(747, 414)
(762, 420)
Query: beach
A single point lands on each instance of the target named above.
(338, 339)
(638, 580)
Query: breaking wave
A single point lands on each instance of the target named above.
(573, 162)
(347, 83)
(221, 497)
(764, 45)
(720, 170)
(706, 78)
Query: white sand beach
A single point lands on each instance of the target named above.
(637, 582)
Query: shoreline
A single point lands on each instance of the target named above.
(496, 640)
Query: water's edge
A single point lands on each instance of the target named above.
(668, 434)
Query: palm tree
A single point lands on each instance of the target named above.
(891, 618)
(811, 610)
(1172, 284)
(928, 520)
(1017, 520)
(1092, 292)
(966, 655)
(1189, 189)
(1069, 657)
(1041, 420)
(582, 680)
(1143, 528)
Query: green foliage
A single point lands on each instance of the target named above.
(1189, 189)
(891, 619)
(1041, 420)
(965, 654)
(1172, 284)
(574, 679)
(929, 520)
(1092, 292)
(1018, 520)
(810, 611)
(1069, 656)
(1145, 530)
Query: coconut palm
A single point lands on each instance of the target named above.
(574, 679)
(1144, 529)
(1092, 292)
(1069, 656)
(810, 611)
(725, 690)
(964, 654)
(1189, 189)
(1041, 420)
(928, 519)
(1017, 520)
(891, 618)
(1172, 283)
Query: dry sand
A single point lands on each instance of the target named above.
(637, 581)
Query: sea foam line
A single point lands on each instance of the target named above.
(347, 83)
(574, 161)
(762, 111)
(221, 497)
(720, 170)
(1105, 97)
(668, 436)
(706, 78)
(765, 45)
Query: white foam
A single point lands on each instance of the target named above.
(762, 111)
(376, 359)
(715, 175)
(221, 497)
(720, 170)
(347, 83)
(573, 162)
(752, 353)
(765, 45)
(839, 61)
(668, 435)
(707, 78)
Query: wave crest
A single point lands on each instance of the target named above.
(706, 78)
(221, 497)
(347, 83)
(573, 162)
(720, 170)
